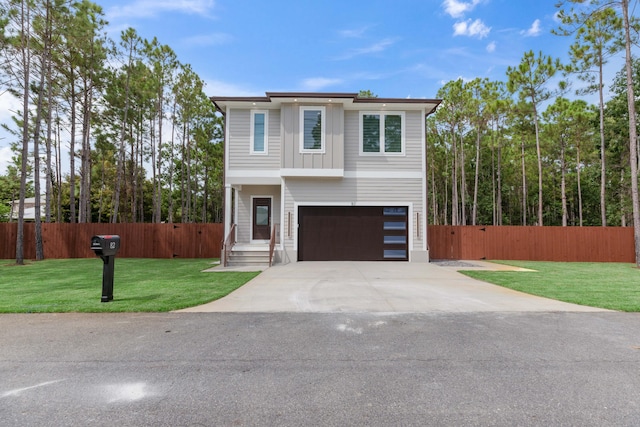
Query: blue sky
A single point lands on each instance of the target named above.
(401, 48)
(396, 49)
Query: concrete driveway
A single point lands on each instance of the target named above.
(378, 287)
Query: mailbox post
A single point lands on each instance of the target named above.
(106, 247)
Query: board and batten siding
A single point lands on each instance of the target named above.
(244, 208)
(361, 191)
(239, 145)
(411, 160)
(333, 156)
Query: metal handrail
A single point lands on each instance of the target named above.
(227, 245)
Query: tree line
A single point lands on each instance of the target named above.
(528, 150)
(142, 139)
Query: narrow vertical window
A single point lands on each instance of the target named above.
(371, 133)
(259, 132)
(392, 134)
(312, 129)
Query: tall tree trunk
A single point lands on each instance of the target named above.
(154, 176)
(133, 174)
(172, 163)
(563, 183)
(623, 214)
(454, 184)
(603, 151)
(463, 184)
(72, 152)
(475, 185)
(494, 210)
(539, 154)
(140, 175)
(446, 190)
(579, 185)
(26, 63)
(36, 158)
(102, 185)
(58, 170)
(499, 178)
(524, 186)
(85, 167)
(157, 170)
(188, 170)
(434, 196)
(633, 137)
(49, 178)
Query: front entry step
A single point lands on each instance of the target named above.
(249, 255)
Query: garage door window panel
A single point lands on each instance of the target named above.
(395, 225)
(395, 240)
(395, 253)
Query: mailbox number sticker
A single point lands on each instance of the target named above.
(112, 245)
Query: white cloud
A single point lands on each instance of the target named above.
(9, 105)
(491, 47)
(318, 83)
(149, 8)
(470, 28)
(457, 8)
(374, 48)
(5, 159)
(214, 39)
(534, 30)
(354, 33)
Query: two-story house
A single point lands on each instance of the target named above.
(333, 176)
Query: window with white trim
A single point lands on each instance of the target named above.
(259, 131)
(382, 132)
(312, 125)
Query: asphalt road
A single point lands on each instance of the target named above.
(300, 369)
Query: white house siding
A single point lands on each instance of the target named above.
(360, 191)
(239, 143)
(244, 208)
(332, 158)
(411, 160)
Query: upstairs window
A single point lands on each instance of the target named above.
(259, 126)
(312, 129)
(382, 133)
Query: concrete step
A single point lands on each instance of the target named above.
(249, 261)
(247, 264)
(250, 253)
(243, 247)
(244, 256)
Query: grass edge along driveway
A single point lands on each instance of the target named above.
(614, 286)
(140, 285)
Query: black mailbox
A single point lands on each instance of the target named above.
(106, 247)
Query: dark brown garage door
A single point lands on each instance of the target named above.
(352, 233)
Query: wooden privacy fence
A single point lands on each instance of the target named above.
(580, 244)
(136, 240)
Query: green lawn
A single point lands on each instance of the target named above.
(75, 285)
(615, 286)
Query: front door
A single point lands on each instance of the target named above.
(261, 218)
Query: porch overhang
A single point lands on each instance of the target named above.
(253, 177)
